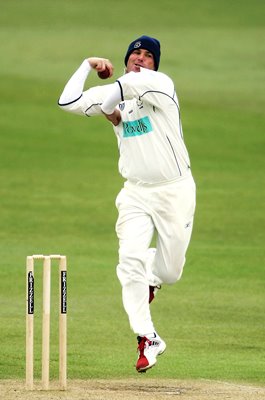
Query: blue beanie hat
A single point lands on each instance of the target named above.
(147, 43)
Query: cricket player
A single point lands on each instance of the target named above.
(158, 197)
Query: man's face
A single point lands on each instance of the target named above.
(140, 58)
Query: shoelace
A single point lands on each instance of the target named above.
(141, 344)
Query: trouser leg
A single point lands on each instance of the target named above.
(170, 210)
(173, 219)
(135, 230)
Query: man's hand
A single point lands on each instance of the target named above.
(101, 64)
(114, 118)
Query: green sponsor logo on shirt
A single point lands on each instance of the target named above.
(136, 128)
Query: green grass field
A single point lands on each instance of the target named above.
(59, 180)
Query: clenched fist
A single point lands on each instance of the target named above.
(101, 64)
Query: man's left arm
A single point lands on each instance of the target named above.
(145, 84)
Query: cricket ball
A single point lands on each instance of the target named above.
(104, 74)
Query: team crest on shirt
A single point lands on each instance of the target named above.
(139, 103)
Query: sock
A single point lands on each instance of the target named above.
(149, 335)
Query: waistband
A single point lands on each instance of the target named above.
(132, 183)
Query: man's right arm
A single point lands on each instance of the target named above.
(73, 90)
(73, 99)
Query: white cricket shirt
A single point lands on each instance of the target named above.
(150, 138)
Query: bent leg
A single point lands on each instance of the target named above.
(173, 219)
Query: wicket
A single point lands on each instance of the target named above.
(46, 320)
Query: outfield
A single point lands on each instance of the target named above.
(59, 180)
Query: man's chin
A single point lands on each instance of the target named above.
(138, 68)
(134, 68)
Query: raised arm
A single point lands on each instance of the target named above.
(73, 97)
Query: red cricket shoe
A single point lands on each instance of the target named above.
(148, 350)
(152, 292)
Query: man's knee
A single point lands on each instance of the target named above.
(130, 268)
(173, 273)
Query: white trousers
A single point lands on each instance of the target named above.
(167, 210)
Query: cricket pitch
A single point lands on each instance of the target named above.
(132, 389)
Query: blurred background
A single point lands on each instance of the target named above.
(59, 180)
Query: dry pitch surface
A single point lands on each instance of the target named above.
(132, 389)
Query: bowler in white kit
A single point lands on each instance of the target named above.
(158, 197)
